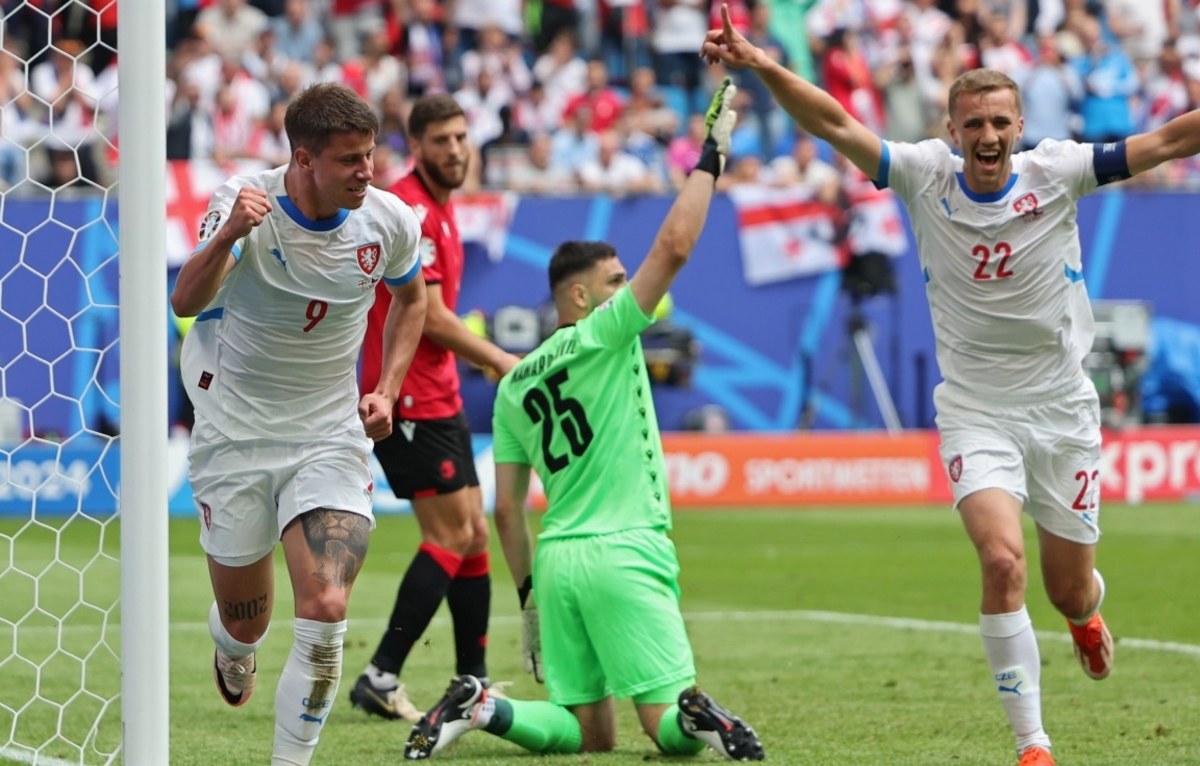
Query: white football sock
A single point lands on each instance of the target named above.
(1016, 665)
(1100, 582)
(306, 690)
(227, 643)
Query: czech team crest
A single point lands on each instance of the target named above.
(368, 257)
(955, 468)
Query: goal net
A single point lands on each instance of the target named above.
(60, 577)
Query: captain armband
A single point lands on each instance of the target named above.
(1109, 162)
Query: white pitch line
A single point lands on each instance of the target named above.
(790, 615)
(24, 756)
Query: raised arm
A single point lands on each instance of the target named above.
(1177, 139)
(202, 274)
(813, 109)
(685, 220)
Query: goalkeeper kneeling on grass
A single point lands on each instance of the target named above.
(578, 411)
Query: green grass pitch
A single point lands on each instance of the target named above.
(846, 636)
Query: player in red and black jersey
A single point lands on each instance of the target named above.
(428, 459)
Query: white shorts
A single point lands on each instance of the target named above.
(1047, 455)
(247, 492)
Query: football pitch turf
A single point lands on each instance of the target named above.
(845, 636)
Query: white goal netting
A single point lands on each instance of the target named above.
(60, 674)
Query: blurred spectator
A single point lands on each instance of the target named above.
(550, 18)
(535, 113)
(422, 43)
(789, 25)
(381, 71)
(561, 71)
(1140, 26)
(231, 27)
(497, 156)
(325, 66)
(761, 103)
(907, 114)
(646, 112)
(1050, 89)
(393, 122)
(471, 16)
(19, 118)
(804, 169)
(684, 151)
(677, 25)
(615, 172)
(847, 77)
(188, 126)
(501, 57)
(603, 102)
(746, 169)
(574, 143)
(66, 86)
(297, 31)
(1109, 81)
(351, 21)
(63, 176)
(1166, 91)
(482, 100)
(623, 29)
(269, 141)
(999, 50)
(537, 174)
(232, 127)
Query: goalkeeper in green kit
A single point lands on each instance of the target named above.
(578, 410)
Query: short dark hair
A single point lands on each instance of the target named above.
(573, 258)
(320, 111)
(431, 108)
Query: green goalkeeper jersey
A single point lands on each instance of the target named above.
(579, 410)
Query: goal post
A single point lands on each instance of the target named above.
(141, 176)
(84, 634)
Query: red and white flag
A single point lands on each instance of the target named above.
(785, 233)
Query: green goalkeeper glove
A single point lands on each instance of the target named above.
(719, 121)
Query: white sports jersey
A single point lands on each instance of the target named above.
(1003, 276)
(274, 354)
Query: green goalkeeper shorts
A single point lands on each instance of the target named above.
(610, 619)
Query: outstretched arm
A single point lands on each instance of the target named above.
(444, 328)
(813, 109)
(685, 220)
(1177, 139)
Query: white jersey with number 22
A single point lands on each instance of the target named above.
(1003, 273)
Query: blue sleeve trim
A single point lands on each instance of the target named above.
(216, 313)
(1109, 162)
(885, 165)
(412, 273)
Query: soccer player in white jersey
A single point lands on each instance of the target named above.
(280, 285)
(1018, 418)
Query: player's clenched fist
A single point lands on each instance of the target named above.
(375, 411)
(249, 210)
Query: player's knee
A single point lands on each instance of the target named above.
(1073, 599)
(1002, 566)
(327, 605)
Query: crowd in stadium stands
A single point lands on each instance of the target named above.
(578, 96)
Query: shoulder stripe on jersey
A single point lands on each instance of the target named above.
(304, 222)
(216, 313)
(1072, 274)
(415, 270)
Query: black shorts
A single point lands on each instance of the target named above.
(428, 457)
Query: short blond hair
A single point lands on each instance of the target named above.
(982, 81)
